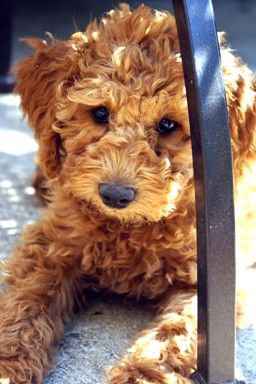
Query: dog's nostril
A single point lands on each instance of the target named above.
(124, 201)
(116, 195)
(106, 198)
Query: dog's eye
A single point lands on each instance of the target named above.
(166, 126)
(100, 114)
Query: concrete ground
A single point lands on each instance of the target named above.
(99, 335)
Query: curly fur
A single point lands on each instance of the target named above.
(130, 63)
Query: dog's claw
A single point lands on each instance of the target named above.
(4, 380)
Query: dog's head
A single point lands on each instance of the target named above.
(110, 113)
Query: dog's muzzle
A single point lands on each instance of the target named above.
(116, 195)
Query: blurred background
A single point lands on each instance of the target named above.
(61, 18)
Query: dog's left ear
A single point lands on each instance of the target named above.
(241, 100)
(41, 77)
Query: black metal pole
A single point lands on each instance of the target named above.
(214, 189)
(6, 81)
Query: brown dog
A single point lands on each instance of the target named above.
(109, 110)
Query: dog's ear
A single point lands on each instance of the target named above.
(241, 99)
(41, 78)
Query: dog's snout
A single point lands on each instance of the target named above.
(116, 195)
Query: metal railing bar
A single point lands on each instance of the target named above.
(213, 187)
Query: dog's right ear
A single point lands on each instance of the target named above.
(41, 77)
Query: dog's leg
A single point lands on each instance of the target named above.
(166, 351)
(42, 280)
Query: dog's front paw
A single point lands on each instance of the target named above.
(141, 372)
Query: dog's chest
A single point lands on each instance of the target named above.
(136, 264)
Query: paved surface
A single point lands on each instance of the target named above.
(98, 336)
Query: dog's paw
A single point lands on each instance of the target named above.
(143, 373)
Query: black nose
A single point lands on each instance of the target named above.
(116, 195)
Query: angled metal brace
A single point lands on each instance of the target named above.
(214, 190)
